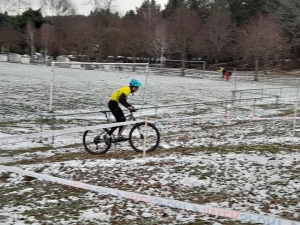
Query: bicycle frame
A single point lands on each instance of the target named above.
(95, 142)
(130, 118)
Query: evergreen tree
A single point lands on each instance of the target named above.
(272, 6)
(33, 16)
(171, 6)
(3, 18)
(202, 7)
(243, 10)
(288, 14)
(220, 6)
(150, 4)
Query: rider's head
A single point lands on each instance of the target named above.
(134, 85)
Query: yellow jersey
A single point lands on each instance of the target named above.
(118, 93)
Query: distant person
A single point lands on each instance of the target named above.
(120, 96)
(223, 71)
(227, 75)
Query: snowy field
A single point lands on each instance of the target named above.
(248, 165)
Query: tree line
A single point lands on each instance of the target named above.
(214, 31)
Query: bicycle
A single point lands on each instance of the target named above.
(94, 142)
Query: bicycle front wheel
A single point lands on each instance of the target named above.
(94, 142)
(139, 133)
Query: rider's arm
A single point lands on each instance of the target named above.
(123, 100)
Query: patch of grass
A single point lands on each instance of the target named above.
(288, 112)
(13, 123)
(29, 178)
(22, 151)
(271, 106)
(197, 171)
(206, 175)
(4, 176)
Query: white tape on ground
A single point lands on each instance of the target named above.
(227, 213)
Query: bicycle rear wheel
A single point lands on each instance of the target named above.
(139, 132)
(94, 142)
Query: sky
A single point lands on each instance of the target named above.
(122, 6)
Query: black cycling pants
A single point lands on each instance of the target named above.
(118, 114)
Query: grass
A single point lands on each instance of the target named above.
(64, 153)
(6, 124)
(46, 202)
(54, 209)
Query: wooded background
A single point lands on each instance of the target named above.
(261, 31)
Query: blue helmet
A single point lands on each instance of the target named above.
(135, 83)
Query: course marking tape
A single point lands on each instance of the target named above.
(205, 209)
(223, 119)
(25, 137)
(10, 139)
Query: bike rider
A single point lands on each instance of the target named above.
(120, 96)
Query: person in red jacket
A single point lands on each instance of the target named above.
(227, 74)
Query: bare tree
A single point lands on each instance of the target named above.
(6, 6)
(98, 5)
(13, 7)
(81, 35)
(150, 15)
(261, 39)
(60, 44)
(134, 35)
(58, 7)
(78, 36)
(217, 37)
(182, 27)
(21, 6)
(159, 44)
(104, 9)
(46, 34)
(30, 35)
(9, 38)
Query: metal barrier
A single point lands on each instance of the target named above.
(193, 106)
(263, 92)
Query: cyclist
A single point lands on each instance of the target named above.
(120, 96)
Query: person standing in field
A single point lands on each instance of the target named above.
(223, 71)
(225, 74)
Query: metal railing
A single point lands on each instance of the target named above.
(223, 104)
(264, 92)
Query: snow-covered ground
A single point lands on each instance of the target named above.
(245, 165)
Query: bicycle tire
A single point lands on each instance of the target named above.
(137, 134)
(94, 143)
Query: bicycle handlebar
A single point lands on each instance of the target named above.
(133, 110)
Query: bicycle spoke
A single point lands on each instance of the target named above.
(139, 133)
(94, 143)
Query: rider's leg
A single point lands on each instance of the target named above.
(117, 113)
(123, 119)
